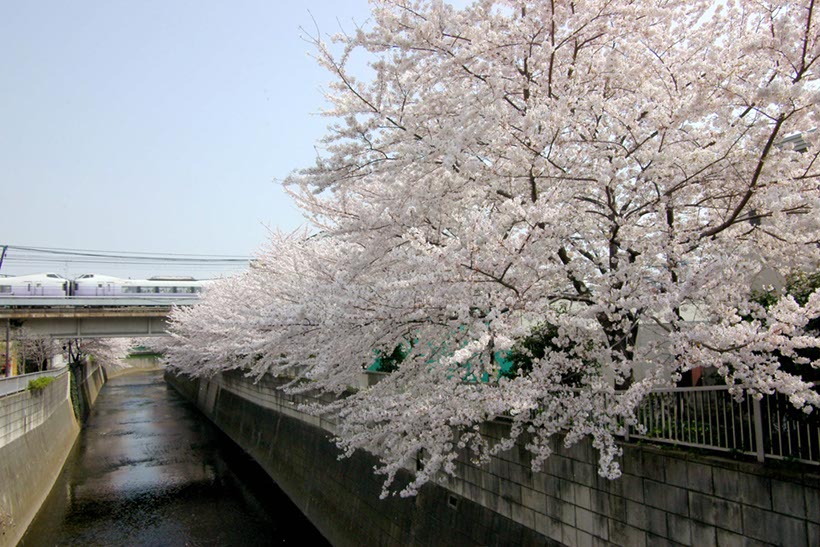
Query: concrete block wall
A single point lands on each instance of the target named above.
(665, 497)
(23, 411)
(341, 497)
(94, 381)
(38, 431)
(134, 364)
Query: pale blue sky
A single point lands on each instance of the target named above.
(159, 125)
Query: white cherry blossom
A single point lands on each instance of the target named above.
(599, 166)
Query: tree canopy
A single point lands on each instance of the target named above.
(588, 169)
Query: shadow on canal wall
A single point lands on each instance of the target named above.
(37, 430)
(665, 497)
(87, 381)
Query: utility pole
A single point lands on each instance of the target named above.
(8, 342)
(8, 321)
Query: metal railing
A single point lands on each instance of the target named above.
(20, 383)
(711, 418)
(708, 418)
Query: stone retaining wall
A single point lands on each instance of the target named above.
(134, 365)
(341, 497)
(95, 379)
(665, 497)
(37, 432)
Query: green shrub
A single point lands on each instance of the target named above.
(533, 347)
(39, 384)
(389, 362)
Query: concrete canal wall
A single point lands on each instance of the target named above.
(37, 431)
(665, 497)
(341, 497)
(134, 364)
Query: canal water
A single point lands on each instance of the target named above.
(149, 469)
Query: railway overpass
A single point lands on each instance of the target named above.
(84, 317)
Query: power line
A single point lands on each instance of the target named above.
(66, 249)
(19, 257)
(127, 255)
(91, 260)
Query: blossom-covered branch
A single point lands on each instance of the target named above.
(598, 171)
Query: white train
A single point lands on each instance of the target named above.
(51, 284)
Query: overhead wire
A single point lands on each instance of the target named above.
(165, 257)
(23, 256)
(67, 249)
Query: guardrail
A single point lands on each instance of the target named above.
(20, 383)
(711, 418)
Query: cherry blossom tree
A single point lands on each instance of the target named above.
(608, 176)
(109, 352)
(35, 348)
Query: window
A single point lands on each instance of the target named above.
(147, 289)
(165, 290)
(130, 289)
(5, 289)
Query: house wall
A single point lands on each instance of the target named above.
(665, 497)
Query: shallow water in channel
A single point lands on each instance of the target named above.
(149, 469)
